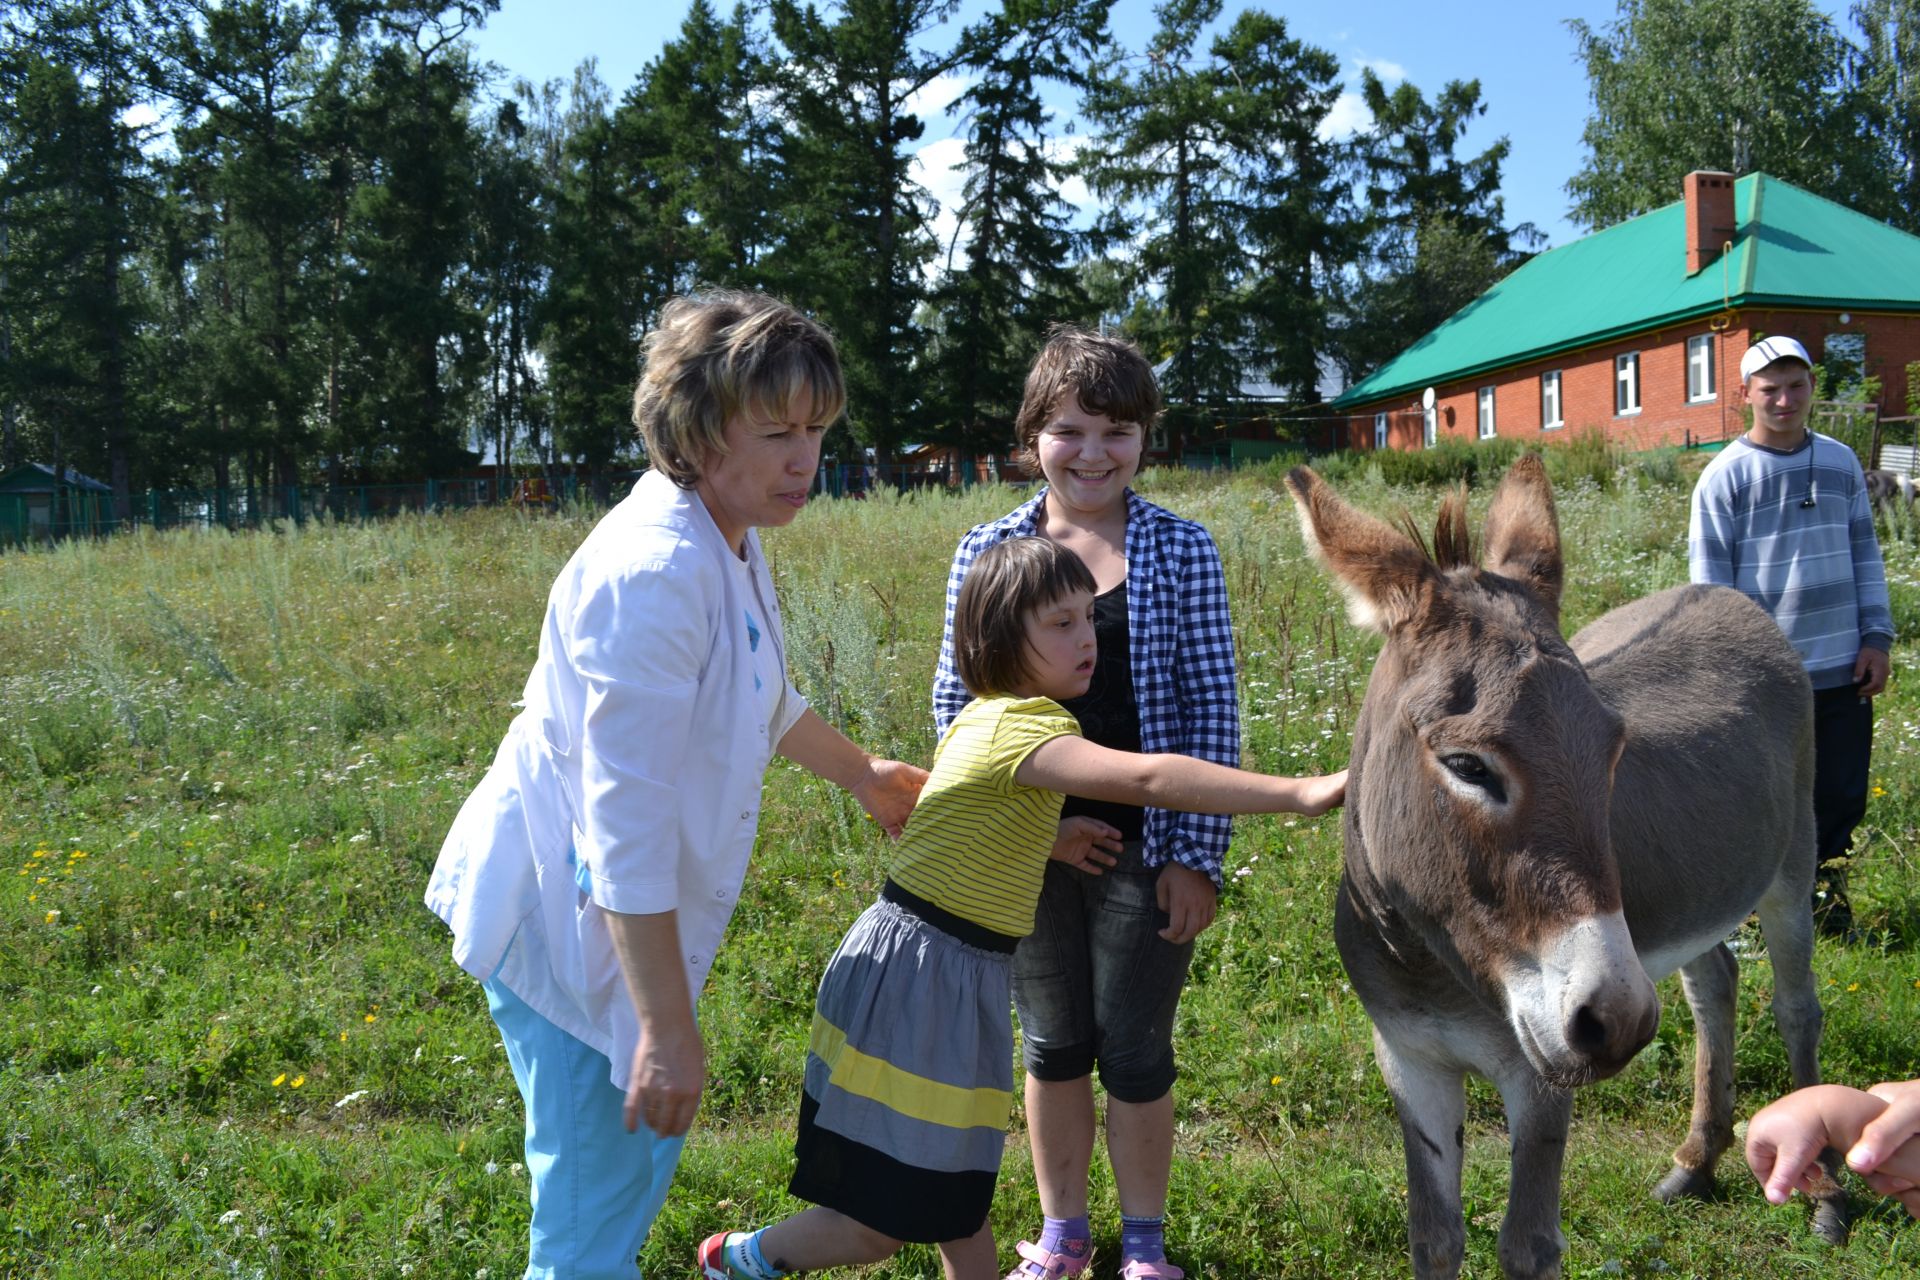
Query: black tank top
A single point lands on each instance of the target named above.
(1107, 711)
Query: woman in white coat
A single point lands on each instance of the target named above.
(590, 876)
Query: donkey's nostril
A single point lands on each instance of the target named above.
(1586, 1032)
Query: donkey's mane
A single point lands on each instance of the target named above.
(1452, 544)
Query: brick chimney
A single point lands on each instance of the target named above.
(1710, 224)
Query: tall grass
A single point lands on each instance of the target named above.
(236, 1045)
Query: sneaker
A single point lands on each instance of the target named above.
(712, 1259)
(1141, 1269)
(1039, 1264)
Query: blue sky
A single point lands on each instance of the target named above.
(1521, 52)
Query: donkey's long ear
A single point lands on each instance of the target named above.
(1383, 572)
(1523, 532)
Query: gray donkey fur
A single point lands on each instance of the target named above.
(1535, 831)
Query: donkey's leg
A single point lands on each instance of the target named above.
(1787, 921)
(1432, 1106)
(1710, 980)
(1537, 1118)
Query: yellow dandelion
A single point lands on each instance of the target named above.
(41, 879)
(296, 1082)
(53, 916)
(33, 897)
(373, 1017)
(39, 853)
(1878, 792)
(279, 1079)
(1853, 986)
(343, 1037)
(1275, 1080)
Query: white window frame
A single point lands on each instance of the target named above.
(1484, 404)
(1380, 430)
(1702, 380)
(1430, 426)
(1626, 384)
(1551, 378)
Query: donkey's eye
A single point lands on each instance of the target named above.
(1473, 771)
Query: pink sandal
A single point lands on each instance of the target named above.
(1053, 1266)
(1141, 1269)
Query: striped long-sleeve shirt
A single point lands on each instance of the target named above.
(1816, 569)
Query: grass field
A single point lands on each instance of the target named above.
(235, 1044)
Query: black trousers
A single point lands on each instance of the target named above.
(1842, 749)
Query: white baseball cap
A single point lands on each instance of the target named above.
(1767, 350)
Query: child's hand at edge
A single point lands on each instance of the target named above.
(1085, 844)
(1887, 1152)
(1785, 1138)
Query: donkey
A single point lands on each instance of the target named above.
(1535, 832)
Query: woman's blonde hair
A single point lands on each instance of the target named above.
(724, 352)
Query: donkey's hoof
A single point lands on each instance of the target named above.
(1830, 1219)
(1696, 1184)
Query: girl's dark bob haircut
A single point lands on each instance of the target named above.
(1009, 580)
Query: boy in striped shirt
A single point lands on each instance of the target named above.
(1782, 515)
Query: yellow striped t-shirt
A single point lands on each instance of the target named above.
(978, 841)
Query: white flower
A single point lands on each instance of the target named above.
(231, 1216)
(350, 1099)
(493, 1166)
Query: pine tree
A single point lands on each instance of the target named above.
(854, 236)
(1019, 275)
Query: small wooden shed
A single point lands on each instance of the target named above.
(26, 504)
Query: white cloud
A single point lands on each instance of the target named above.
(1348, 117)
(933, 168)
(930, 102)
(1388, 70)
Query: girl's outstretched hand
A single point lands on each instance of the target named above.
(1317, 795)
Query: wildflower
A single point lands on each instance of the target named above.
(343, 1037)
(1275, 1080)
(230, 1217)
(53, 917)
(279, 1079)
(296, 1082)
(1853, 986)
(1878, 792)
(372, 1017)
(350, 1099)
(493, 1166)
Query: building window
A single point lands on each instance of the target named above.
(1379, 430)
(1550, 400)
(1700, 382)
(1430, 427)
(1157, 439)
(1486, 413)
(1626, 384)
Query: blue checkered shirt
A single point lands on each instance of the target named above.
(1181, 651)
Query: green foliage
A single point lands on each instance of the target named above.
(240, 1044)
(1733, 85)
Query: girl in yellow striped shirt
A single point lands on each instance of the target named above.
(910, 1063)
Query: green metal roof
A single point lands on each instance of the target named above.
(1793, 248)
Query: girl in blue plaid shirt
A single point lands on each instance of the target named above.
(1099, 980)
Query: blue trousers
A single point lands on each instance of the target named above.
(596, 1187)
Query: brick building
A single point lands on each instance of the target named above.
(1639, 329)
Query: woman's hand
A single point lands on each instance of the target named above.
(1086, 844)
(888, 790)
(669, 1071)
